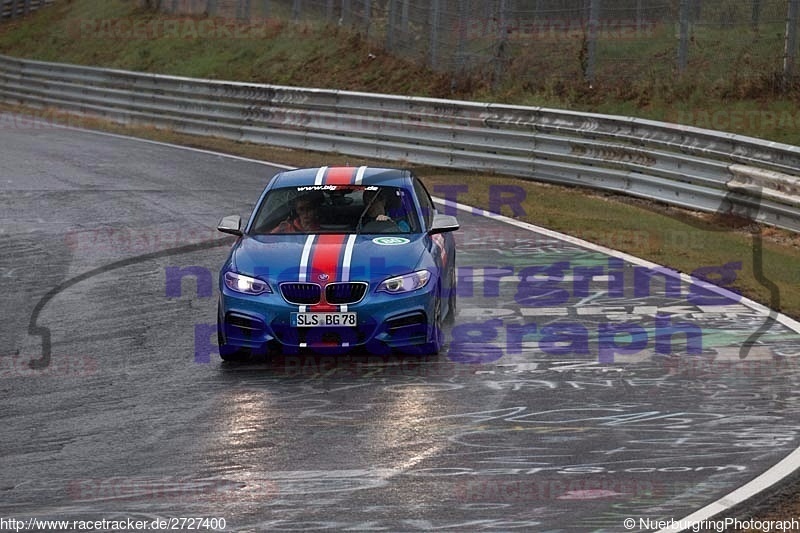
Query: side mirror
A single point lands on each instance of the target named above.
(443, 223)
(231, 224)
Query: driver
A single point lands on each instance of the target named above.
(376, 209)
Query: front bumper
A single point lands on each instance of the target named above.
(385, 322)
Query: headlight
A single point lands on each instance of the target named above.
(409, 282)
(245, 284)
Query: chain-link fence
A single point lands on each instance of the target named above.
(598, 41)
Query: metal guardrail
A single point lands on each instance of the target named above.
(18, 8)
(679, 165)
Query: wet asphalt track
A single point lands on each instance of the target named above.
(134, 416)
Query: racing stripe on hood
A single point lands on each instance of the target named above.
(347, 258)
(340, 176)
(325, 265)
(360, 175)
(303, 271)
(307, 247)
(320, 175)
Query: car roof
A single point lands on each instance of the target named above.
(389, 177)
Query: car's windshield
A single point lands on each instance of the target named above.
(336, 209)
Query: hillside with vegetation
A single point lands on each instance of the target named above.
(732, 80)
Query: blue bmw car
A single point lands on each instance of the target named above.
(335, 259)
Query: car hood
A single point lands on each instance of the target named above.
(327, 258)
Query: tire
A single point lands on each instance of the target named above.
(236, 355)
(435, 346)
(452, 297)
(452, 301)
(229, 353)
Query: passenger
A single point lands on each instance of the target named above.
(304, 215)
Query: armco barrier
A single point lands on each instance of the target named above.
(17, 8)
(679, 165)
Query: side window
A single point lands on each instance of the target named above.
(425, 202)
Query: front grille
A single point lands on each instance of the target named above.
(301, 293)
(345, 293)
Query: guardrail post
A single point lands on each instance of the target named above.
(296, 9)
(265, 9)
(211, 7)
(683, 44)
(434, 36)
(329, 10)
(591, 38)
(345, 17)
(790, 50)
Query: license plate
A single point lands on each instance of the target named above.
(322, 320)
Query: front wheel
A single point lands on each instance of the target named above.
(452, 306)
(227, 352)
(434, 346)
(452, 292)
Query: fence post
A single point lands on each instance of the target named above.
(462, 35)
(243, 10)
(683, 45)
(502, 43)
(14, 7)
(755, 15)
(790, 50)
(391, 23)
(639, 18)
(329, 10)
(296, 9)
(345, 12)
(367, 16)
(211, 7)
(265, 9)
(404, 18)
(27, 7)
(591, 45)
(434, 36)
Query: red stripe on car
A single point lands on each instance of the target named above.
(325, 265)
(340, 176)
